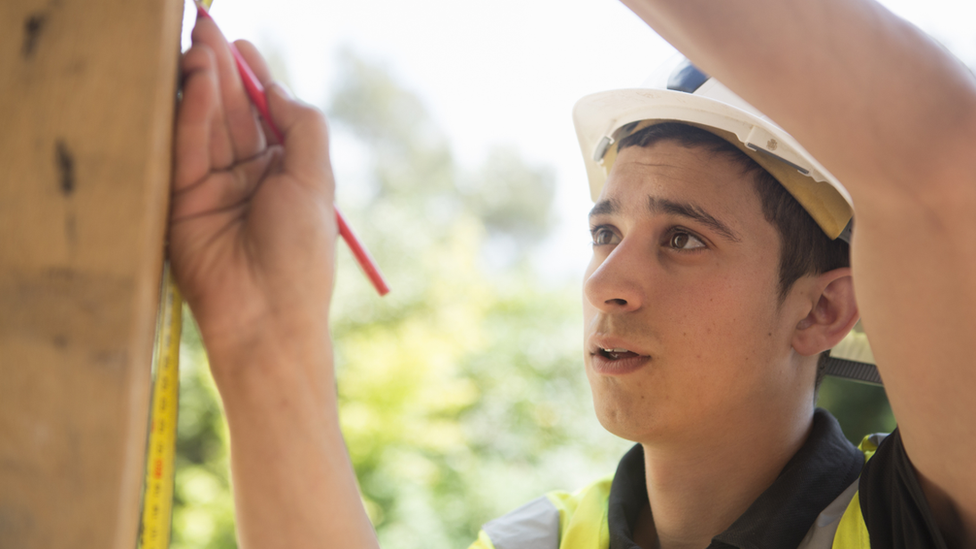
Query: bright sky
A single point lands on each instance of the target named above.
(502, 72)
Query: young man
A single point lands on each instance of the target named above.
(694, 348)
(711, 294)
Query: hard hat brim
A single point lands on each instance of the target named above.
(599, 116)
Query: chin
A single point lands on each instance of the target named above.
(629, 420)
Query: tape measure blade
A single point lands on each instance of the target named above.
(161, 448)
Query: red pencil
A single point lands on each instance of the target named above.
(256, 92)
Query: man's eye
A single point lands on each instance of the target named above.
(602, 236)
(685, 241)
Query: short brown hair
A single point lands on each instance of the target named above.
(804, 248)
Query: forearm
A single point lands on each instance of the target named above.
(252, 241)
(293, 482)
(872, 97)
(893, 117)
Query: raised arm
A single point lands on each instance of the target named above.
(252, 242)
(893, 116)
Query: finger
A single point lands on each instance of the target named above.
(261, 70)
(244, 133)
(197, 113)
(221, 147)
(255, 60)
(306, 155)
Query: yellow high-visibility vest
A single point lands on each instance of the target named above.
(561, 520)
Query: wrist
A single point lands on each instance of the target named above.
(255, 373)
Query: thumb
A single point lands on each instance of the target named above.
(306, 137)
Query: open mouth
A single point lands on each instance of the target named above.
(617, 354)
(617, 361)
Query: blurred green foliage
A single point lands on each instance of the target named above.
(203, 508)
(860, 408)
(462, 393)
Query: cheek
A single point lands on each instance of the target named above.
(723, 321)
(744, 335)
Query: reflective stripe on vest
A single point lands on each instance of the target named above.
(821, 534)
(558, 520)
(534, 525)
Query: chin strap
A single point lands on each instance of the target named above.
(853, 370)
(852, 359)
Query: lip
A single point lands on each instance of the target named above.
(599, 341)
(621, 366)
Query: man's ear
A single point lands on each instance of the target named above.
(833, 313)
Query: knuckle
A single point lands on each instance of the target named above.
(316, 118)
(198, 57)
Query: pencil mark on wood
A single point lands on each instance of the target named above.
(66, 167)
(33, 26)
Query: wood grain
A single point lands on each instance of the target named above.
(87, 92)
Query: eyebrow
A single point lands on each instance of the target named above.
(691, 211)
(604, 207)
(663, 205)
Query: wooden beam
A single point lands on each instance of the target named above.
(87, 91)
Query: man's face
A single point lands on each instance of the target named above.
(684, 277)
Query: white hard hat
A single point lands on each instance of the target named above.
(679, 92)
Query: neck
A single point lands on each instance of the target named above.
(698, 488)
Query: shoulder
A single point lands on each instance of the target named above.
(883, 508)
(545, 522)
(851, 531)
(889, 508)
(895, 511)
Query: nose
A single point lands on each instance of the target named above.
(614, 283)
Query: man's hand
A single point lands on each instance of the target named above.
(253, 228)
(252, 243)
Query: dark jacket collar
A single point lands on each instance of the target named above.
(820, 470)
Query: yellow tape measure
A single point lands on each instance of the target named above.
(157, 504)
(157, 500)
